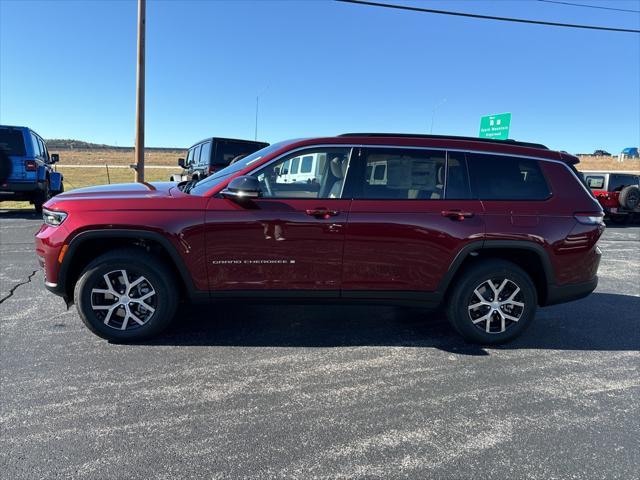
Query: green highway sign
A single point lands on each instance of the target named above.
(495, 126)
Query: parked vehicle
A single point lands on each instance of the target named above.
(631, 152)
(617, 192)
(489, 229)
(213, 154)
(601, 153)
(32, 177)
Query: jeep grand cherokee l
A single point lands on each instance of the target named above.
(489, 229)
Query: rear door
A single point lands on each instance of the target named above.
(408, 220)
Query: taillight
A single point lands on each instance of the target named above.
(30, 165)
(590, 218)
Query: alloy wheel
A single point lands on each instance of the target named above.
(495, 305)
(124, 300)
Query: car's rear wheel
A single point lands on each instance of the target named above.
(126, 295)
(492, 302)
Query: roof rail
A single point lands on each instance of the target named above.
(447, 137)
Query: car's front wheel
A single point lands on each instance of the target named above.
(126, 295)
(492, 302)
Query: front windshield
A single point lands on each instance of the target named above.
(209, 182)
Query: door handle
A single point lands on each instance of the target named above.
(322, 213)
(458, 215)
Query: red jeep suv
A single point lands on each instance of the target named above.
(489, 229)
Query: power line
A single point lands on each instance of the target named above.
(487, 17)
(590, 6)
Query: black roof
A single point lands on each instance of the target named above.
(240, 140)
(447, 137)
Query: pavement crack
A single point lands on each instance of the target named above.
(15, 287)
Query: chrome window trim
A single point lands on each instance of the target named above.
(412, 147)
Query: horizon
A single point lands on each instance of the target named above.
(319, 69)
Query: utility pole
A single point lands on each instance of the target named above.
(139, 147)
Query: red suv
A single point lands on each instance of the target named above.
(490, 229)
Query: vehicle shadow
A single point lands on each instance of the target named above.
(601, 321)
(19, 214)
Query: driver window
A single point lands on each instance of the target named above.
(317, 173)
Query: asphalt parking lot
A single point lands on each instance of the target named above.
(319, 392)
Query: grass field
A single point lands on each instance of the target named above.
(83, 177)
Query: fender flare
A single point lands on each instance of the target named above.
(479, 245)
(86, 235)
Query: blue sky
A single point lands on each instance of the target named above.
(67, 69)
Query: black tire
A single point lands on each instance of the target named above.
(136, 263)
(40, 197)
(629, 197)
(463, 296)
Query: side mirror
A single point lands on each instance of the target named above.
(54, 158)
(242, 188)
(181, 163)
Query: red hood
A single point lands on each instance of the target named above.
(120, 191)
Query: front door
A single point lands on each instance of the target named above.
(408, 220)
(288, 242)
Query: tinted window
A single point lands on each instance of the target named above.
(230, 151)
(190, 156)
(209, 182)
(12, 142)
(36, 145)
(617, 182)
(497, 177)
(43, 149)
(196, 154)
(324, 180)
(457, 177)
(205, 153)
(409, 174)
(595, 181)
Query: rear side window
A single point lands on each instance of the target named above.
(457, 187)
(402, 174)
(36, 145)
(205, 153)
(12, 142)
(617, 182)
(228, 151)
(497, 177)
(595, 182)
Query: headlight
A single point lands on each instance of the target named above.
(52, 217)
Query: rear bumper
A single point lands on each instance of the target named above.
(18, 190)
(567, 293)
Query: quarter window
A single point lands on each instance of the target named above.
(408, 174)
(321, 176)
(497, 177)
